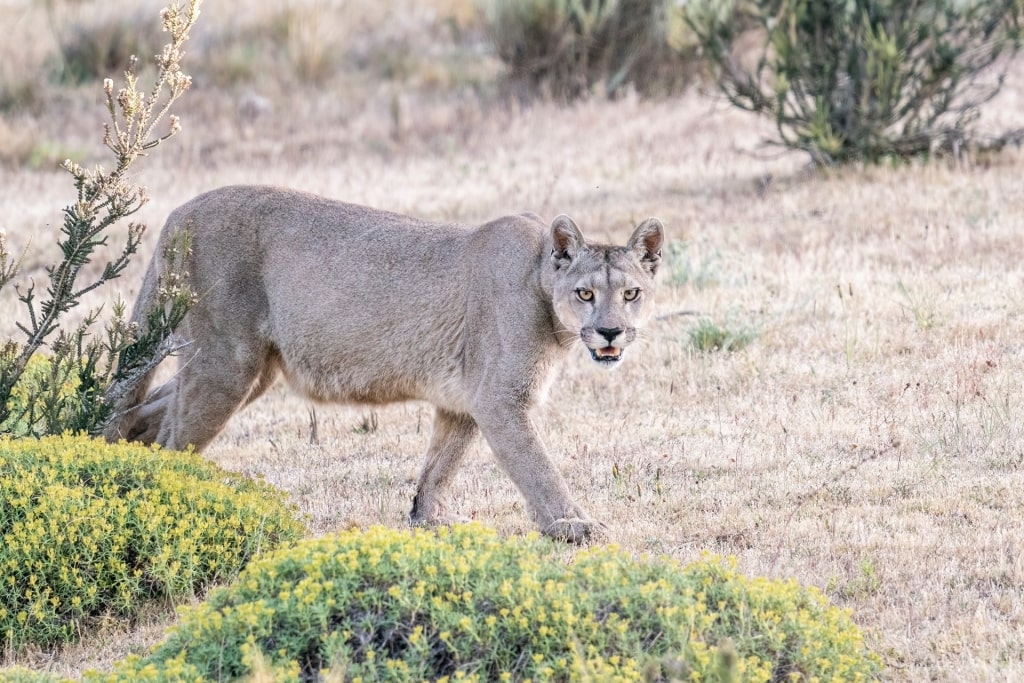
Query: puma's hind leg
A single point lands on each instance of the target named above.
(450, 439)
(210, 387)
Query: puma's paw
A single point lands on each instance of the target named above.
(438, 515)
(575, 530)
(440, 520)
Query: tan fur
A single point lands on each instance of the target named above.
(360, 305)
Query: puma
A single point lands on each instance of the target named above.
(354, 304)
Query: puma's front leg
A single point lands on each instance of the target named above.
(451, 437)
(519, 451)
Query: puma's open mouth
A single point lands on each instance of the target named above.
(608, 354)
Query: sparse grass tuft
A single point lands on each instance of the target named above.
(708, 336)
(368, 424)
(308, 44)
(863, 585)
(94, 46)
(689, 266)
(920, 310)
(571, 49)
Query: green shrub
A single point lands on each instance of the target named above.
(89, 529)
(864, 79)
(570, 47)
(389, 605)
(88, 375)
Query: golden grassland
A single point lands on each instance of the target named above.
(868, 441)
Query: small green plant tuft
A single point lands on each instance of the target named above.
(864, 80)
(864, 584)
(921, 310)
(709, 336)
(460, 603)
(89, 529)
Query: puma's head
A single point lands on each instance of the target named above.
(602, 293)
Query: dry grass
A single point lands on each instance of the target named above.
(867, 442)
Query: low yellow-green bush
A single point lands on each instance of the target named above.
(89, 529)
(41, 398)
(462, 604)
(22, 675)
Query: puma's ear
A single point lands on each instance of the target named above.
(646, 242)
(566, 240)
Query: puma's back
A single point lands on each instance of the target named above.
(349, 298)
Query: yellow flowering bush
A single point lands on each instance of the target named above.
(89, 529)
(462, 604)
(22, 675)
(44, 393)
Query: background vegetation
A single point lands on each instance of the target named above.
(864, 439)
(865, 80)
(572, 48)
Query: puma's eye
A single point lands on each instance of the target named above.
(585, 295)
(631, 294)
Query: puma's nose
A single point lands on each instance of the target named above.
(609, 333)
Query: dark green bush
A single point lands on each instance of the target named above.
(569, 48)
(462, 604)
(864, 80)
(89, 529)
